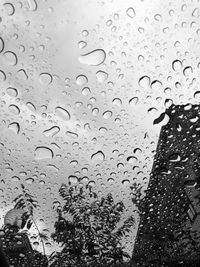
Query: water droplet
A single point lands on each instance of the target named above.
(94, 58)
(72, 179)
(62, 113)
(21, 74)
(133, 101)
(98, 156)
(81, 80)
(32, 5)
(144, 82)
(2, 76)
(15, 179)
(156, 85)
(43, 152)
(131, 159)
(10, 58)
(14, 126)
(14, 109)
(82, 44)
(130, 12)
(117, 102)
(31, 107)
(29, 180)
(107, 114)
(95, 111)
(1, 44)
(101, 76)
(51, 131)
(176, 65)
(45, 78)
(71, 134)
(197, 95)
(188, 71)
(9, 8)
(125, 182)
(86, 91)
(12, 91)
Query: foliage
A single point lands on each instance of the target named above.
(92, 236)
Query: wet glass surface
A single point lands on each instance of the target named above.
(99, 133)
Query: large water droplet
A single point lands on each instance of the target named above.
(144, 82)
(81, 80)
(1, 44)
(43, 152)
(10, 58)
(14, 109)
(45, 78)
(14, 126)
(107, 114)
(51, 131)
(101, 76)
(130, 12)
(62, 113)
(9, 8)
(98, 156)
(12, 91)
(94, 58)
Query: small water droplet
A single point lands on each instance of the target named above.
(15, 179)
(10, 58)
(1, 44)
(72, 134)
(133, 101)
(98, 156)
(176, 65)
(12, 91)
(95, 111)
(94, 58)
(107, 114)
(144, 82)
(32, 5)
(14, 109)
(81, 80)
(130, 12)
(197, 95)
(29, 180)
(86, 91)
(117, 102)
(21, 74)
(14, 126)
(31, 107)
(43, 152)
(156, 85)
(45, 78)
(101, 76)
(188, 71)
(72, 179)
(9, 8)
(82, 44)
(2, 76)
(62, 113)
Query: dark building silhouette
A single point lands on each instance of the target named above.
(169, 228)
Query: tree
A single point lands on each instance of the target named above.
(88, 229)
